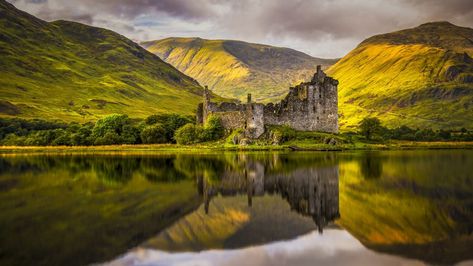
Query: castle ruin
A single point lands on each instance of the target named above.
(309, 106)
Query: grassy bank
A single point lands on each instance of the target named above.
(219, 146)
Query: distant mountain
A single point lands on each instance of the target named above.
(234, 68)
(70, 71)
(421, 77)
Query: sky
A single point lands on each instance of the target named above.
(321, 28)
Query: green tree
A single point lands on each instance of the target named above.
(170, 123)
(115, 129)
(370, 127)
(213, 129)
(444, 134)
(154, 134)
(63, 138)
(83, 136)
(189, 134)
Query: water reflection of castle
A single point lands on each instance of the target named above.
(309, 191)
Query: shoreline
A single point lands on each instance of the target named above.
(213, 147)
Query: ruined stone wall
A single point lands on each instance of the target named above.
(232, 115)
(310, 106)
(232, 119)
(254, 120)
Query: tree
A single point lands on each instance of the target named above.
(83, 136)
(115, 129)
(444, 134)
(154, 134)
(189, 134)
(370, 126)
(170, 123)
(213, 128)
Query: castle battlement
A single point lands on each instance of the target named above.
(309, 106)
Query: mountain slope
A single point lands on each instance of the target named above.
(421, 77)
(234, 68)
(70, 71)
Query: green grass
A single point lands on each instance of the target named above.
(403, 78)
(234, 68)
(210, 147)
(73, 72)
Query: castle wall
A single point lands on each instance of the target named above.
(254, 120)
(233, 119)
(307, 107)
(310, 106)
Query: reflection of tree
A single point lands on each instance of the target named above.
(115, 171)
(201, 166)
(161, 170)
(371, 166)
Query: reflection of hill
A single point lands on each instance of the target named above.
(60, 211)
(414, 204)
(231, 223)
(245, 206)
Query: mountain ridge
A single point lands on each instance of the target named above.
(420, 77)
(233, 68)
(75, 72)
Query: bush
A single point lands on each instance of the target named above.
(213, 128)
(281, 134)
(444, 135)
(403, 133)
(115, 129)
(63, 139)
(189, 134)
(109, 138)
(82, 137)
(13, 140)
(42, 137)
(170, 123)
(154, 134)
(235, 136)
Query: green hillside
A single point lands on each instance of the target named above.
(421, 77)
(234, 68)
(73, 72)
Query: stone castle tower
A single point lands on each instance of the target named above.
(309, 106)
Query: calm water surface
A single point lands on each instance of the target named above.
(299, 208)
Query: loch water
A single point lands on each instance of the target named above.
(238, 208)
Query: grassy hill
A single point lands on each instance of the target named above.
(73, 72)
(234, 68)
(421, 77)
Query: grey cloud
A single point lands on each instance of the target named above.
(36, 1)
(335, 25)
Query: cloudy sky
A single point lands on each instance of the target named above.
(322, 28)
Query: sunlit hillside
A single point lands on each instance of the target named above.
(234, 68)
(421, 77)
(70, 71)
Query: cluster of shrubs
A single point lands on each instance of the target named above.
(372, 129)
(190, 133)
(112, 129)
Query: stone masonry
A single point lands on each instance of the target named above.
(309, 106)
